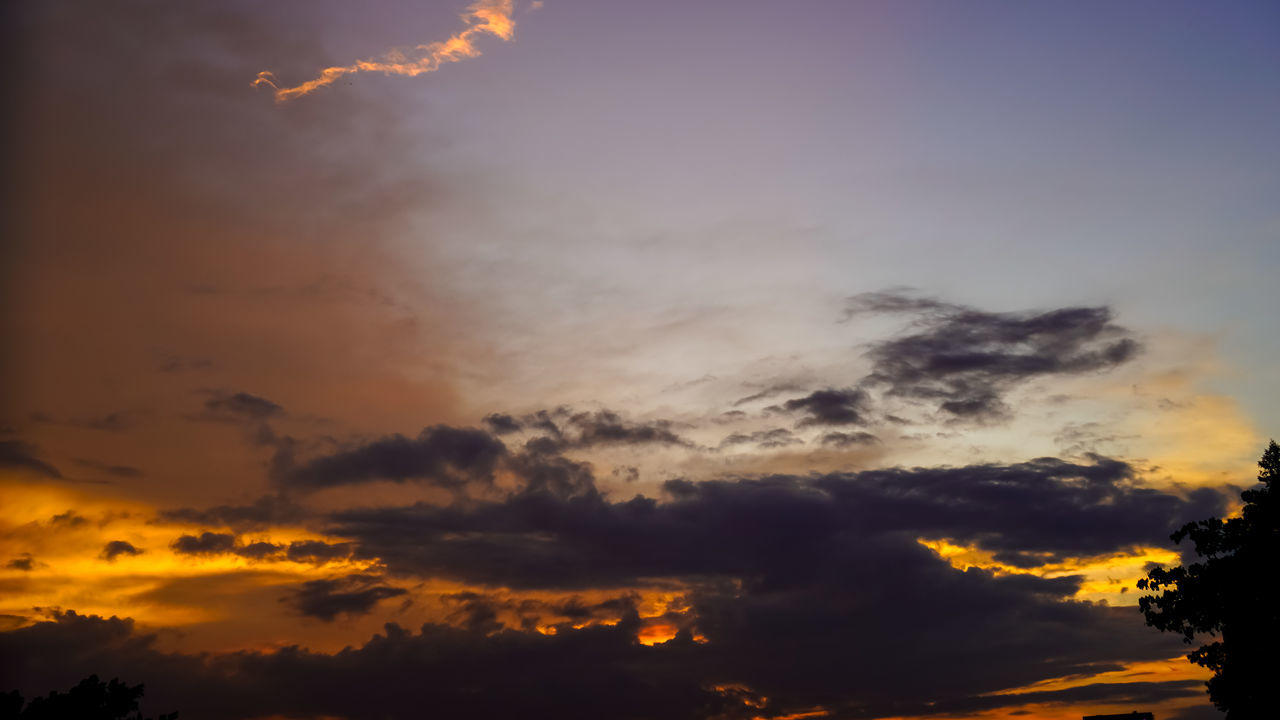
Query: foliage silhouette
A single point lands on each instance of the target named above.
(1223, 595)
(90, 699)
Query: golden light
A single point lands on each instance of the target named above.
(1106, 578)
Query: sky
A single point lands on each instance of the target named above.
(705, 360)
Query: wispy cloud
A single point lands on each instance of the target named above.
(484, 17)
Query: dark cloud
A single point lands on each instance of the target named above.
(69, 519)
(452, 672)
(768, 392)
(354, 594)
(24, 562)
(458, 459)
(111, 422)
(562, 428)
(211, 543)
(252, 412)
(259, 550)
(18, 455)
(543, 472)
(207, 543)
(226, 406)
(317, 551)
(480, 671)
(1083, 438)
(769, 529)
(729, 416)
(124, 471)
(605, 427)
(116, 548)
(1131, 694)
(481, 611)
(775, 438)
(501, 423)
(896, 300)
(849, 439)
(266, 511)
(1028, 513)
(626, 473)
(442, 456)
(965, 360)
(813, 555)
(1199, 712)
(831, 407)
(475, 611)
(545, 420)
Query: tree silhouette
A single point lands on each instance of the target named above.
(91, 699)
(1224, 595)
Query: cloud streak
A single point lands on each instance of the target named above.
(484, 17)
(355, 594)
(966, 360)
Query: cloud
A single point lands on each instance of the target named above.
(355, 594)
(965, 360)
(116, 548)
(775, 438)
(563, 429)
(484, 17)
(442, 456)
(1133, 694)
(458, 458)
(475, 612)
(267, 511)
(239, 407)
(831, 407)
(542, 471)
(68, 519)
(768, 392)
(210, 543)
(18, 455)
(317, 551)
(207, 543)
(849, 439)
(119, 421)
(454, 672)
(259, 550)
(124, 471)
(25, 562)
(605, 427)
(776, 529)
(481, 612)
(501, 423)
(896, 300)
(480, 671)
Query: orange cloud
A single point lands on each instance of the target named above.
(1106, 578)
(484, 17)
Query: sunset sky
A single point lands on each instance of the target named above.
(600, 359)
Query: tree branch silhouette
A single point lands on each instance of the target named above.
(90, 699)
(1222, 595)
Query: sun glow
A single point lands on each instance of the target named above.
(57, 544)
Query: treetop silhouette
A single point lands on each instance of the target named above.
(90, 699)
(1224, 595)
